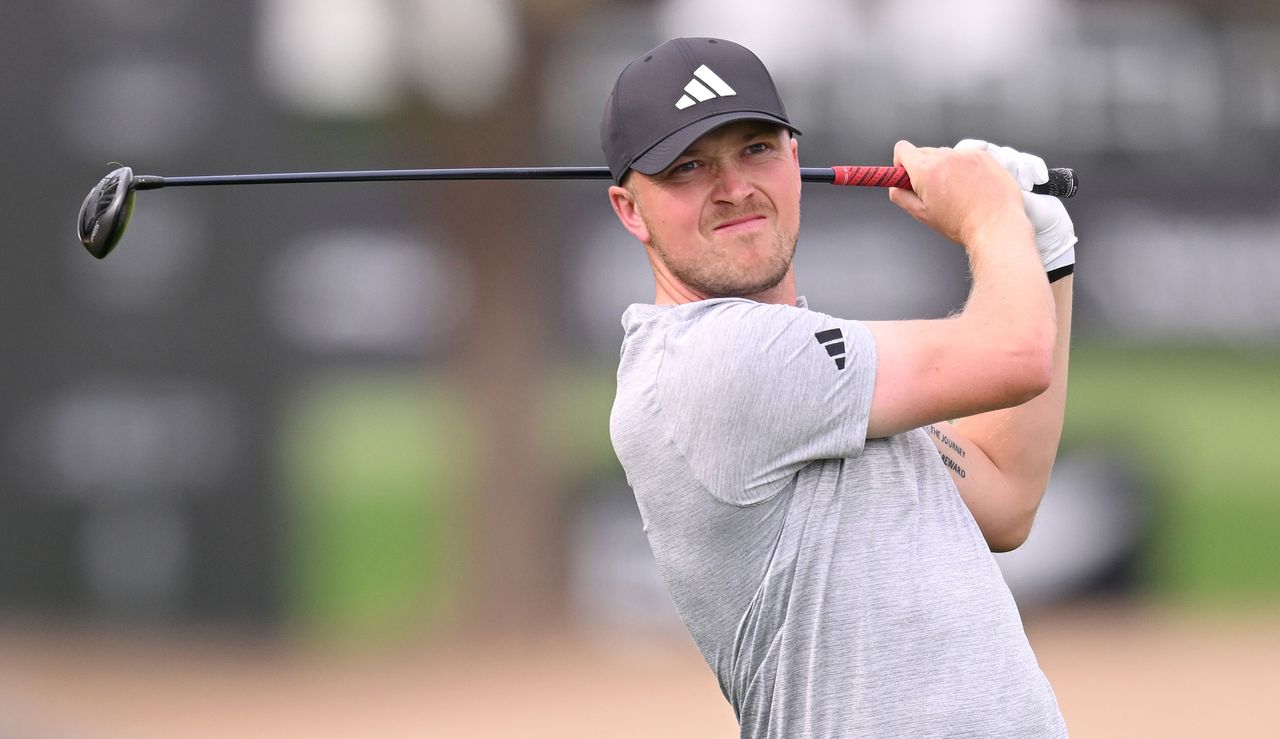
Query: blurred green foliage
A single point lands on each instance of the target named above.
(1197, 421)
(375, 466)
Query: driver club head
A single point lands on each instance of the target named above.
(105, 212)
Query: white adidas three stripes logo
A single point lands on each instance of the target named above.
(714, 87)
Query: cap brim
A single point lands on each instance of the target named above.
(662, 154)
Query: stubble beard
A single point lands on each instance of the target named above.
(722, 278)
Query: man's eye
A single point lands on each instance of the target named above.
(759, 147)
(685, 167)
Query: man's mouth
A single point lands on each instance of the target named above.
(745, 223)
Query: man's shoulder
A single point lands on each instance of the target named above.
(715, 317)
(722, 334)
(707, 344)
(740, 342)
(644, 313)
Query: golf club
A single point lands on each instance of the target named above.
(107, 207)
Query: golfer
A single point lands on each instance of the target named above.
(822, 495)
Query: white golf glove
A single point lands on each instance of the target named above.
(1055, 233)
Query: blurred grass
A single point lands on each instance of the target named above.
(577, 417)
(1199, 422)
(373, 480)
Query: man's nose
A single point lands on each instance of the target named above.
(732, 184)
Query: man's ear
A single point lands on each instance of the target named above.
(795, 149)
(628, 212)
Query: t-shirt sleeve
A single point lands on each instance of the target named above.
(753, 392)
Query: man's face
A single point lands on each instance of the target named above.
(724, 217)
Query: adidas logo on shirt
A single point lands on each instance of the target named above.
(705, 85)
(833, 341)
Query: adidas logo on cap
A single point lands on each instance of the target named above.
(701, 91)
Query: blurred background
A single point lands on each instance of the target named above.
(334, 460)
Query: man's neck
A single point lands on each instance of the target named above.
(676, 293)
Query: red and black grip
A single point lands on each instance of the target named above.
(1062, 180)
(871, 176)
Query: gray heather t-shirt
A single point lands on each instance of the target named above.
(837, 585)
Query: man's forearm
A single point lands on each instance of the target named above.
(1009, 307)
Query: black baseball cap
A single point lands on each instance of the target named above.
(678, 91)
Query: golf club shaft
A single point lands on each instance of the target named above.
(1062, 182)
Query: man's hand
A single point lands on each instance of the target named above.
(963, 195)
(1055, 233)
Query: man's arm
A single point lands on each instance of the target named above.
(1006, 456)
(1000, 461)
(998, 351)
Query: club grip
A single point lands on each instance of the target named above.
(1062, 180)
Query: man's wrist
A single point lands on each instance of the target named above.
(1060, 272)
(1062, 263)
(998, 233)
